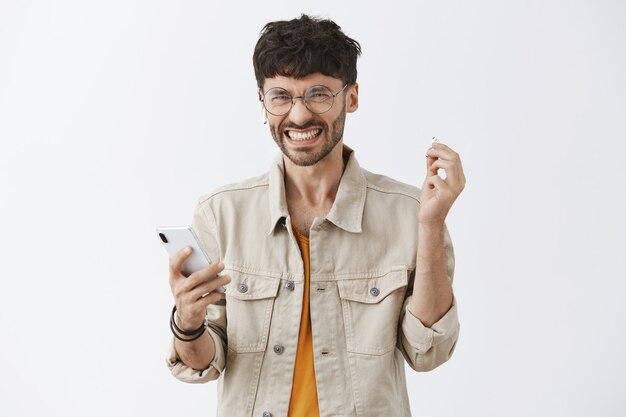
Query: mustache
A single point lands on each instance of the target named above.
(307, 125)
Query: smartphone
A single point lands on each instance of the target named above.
(175, 238)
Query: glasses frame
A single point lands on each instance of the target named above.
(293, 99)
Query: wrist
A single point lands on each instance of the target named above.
(431, 227)
(182, 334)
(431, 221)
(186, 325)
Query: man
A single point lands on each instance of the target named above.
(335, 276)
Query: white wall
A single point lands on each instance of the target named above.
(115, 116)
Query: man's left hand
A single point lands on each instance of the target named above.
(439, 194)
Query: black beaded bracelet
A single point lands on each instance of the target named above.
(195, 334)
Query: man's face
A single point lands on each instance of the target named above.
(305, 137)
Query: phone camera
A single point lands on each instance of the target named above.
(163, 238)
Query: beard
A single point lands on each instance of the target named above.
(304, 156)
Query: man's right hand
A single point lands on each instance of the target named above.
(194, 293)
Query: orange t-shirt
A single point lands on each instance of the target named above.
(303, 401)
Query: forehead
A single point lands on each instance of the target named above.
(300, 85)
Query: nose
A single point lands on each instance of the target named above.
(299, 113)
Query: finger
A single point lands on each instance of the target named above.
(438, 183)
(452, 169)
(441, 164)
(437, 151)
(209, 271)
(203, 275)
(430, 159)
(208, 287)
(433, 154)
(445, 153)
(212, 298)
(177, 261)
(198, 307)
(456, 169)
(191, 304)
(439, 145)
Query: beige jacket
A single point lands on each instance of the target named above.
(362, 267)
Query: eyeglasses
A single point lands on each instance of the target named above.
(317, 99)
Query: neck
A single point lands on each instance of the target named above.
(315, 185)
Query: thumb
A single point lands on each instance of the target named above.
(429, 162)
(177, 261)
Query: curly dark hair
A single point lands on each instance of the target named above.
(299, 47)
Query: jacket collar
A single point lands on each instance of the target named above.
(347, 209)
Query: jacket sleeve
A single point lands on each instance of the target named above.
(203, 224)
(426, 348)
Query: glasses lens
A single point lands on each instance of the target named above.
(319, 99)
(277, 101)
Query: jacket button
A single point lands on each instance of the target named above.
(242, 288)
(375, 291)
(290, 285)
(278, 349)
(267, 414)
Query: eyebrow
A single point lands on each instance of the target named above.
(278, 90)
(311, 88)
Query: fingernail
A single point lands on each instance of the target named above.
(220, 265)
(187, 249)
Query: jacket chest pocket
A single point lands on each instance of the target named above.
(371, 310)
(249, 307)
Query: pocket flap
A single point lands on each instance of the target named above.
(372, 290)
(244, 286)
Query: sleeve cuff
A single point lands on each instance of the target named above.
(422, 338)
(194, 376)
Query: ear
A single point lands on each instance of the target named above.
(352, 98)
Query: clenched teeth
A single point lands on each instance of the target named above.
(303, 135)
